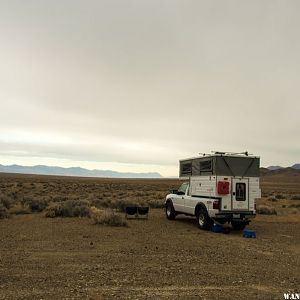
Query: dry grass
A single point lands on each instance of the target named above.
(266, 210)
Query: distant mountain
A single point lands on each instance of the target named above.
(296, 166)
(274, 167)
(74, 171)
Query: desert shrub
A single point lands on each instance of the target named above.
(108, 217)
(106, 203)
(156, 203)
(35, 204)
(294, 205)
(3, 212)
(272, 198)
(266, 210)
(20, 209)
(69, 208)
(160, 196)
(96, 202)
(295, 197)
(120, 205)
(279, 196)
(53, 210)
(58, 198)
(6, 201)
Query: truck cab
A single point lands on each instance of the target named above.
(217, 188)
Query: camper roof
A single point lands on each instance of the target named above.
(227, 154)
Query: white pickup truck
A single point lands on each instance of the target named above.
(218, 188)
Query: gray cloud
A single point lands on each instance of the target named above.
(148, 82)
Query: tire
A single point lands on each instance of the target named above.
(203, 219)
(238, 225)
(170, 211)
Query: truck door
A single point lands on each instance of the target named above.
(240, 194)
(179, 199)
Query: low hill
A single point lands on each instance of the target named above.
(74, 171)
(280, 172)
(278, 177)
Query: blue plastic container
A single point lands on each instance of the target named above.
(249, 234)
(217, 228)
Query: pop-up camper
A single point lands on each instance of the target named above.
(220, 187)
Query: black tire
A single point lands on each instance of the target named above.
(203, 220)
(238, 225)
(170, 211)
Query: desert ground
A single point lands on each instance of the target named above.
(60, 257)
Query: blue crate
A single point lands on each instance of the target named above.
(217, 228)
(249, 234)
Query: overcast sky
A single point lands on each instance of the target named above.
(138, 85)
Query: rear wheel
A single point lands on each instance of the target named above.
(170, 211)
(238, 225)
(203, 219)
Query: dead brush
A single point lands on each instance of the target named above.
(20, 209)
(107, 217)
(69, 208)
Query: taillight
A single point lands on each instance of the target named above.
(216, 204)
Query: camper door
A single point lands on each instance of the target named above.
(240, 194)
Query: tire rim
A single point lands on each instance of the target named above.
(168, 210)
(201, 220)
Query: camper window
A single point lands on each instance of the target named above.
(205, 165)
(240, 193)
(186, 168)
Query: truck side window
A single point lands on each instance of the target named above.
(240, 191)
(183, 188)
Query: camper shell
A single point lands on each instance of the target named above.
(224, 185)
(219, 165)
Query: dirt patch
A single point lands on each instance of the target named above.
(155, 258)
(70, 258)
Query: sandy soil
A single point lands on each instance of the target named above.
(69, 258)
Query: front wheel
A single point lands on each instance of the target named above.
(170, 211)
(203, 219)
(238, 225)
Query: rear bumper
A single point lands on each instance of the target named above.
(235, 216)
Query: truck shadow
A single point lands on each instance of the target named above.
(186, 220)
(191, 222)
